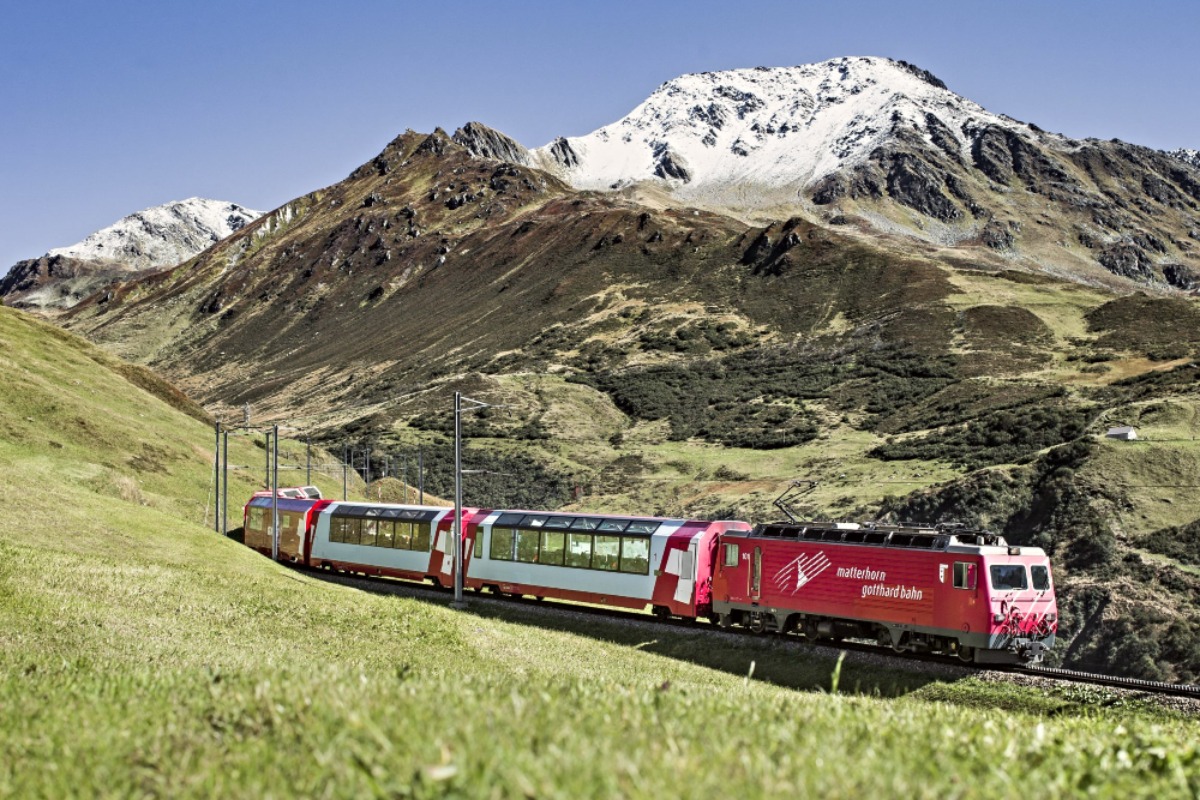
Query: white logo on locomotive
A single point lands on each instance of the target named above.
(800, 571)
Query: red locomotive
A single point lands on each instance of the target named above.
(943, 589)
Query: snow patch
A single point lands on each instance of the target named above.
(164, 235)
(768, 128)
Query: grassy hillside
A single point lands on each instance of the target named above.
(141, 655)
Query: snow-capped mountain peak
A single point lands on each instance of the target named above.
(767, 127)
(163, 235)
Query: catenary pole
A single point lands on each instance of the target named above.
(217, 479)
(458, 560)
(225, 485)
(459, 602)
(275, 491)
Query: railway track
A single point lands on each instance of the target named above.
(1132, 684)
(1129, 684)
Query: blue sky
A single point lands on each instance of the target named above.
(110, 107)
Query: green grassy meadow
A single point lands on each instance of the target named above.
(142, 655)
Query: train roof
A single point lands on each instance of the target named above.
(264, 500)
(394, 511)
(949, 538)
(600, 523)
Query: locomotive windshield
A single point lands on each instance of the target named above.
(1008, 577)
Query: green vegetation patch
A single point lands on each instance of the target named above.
(1162, 328)
(756, 399)
(1007, 436)
(1181, 542)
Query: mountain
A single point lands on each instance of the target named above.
(885, 147)
(153, 238)
(657, 356)
(1188, 156)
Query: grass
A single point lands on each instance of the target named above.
(142, 655)
(139, 664)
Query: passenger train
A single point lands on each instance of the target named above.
(941, 589)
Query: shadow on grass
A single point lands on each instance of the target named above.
(783, 661)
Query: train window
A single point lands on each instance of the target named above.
(387, 533)
(615, 525)
(367, 532)
(502, 544)
(403, 539)
(554, 545)
(350, 530)
(420, 540)
(1041, 578)
(642, 527)
(585, 524)
(255, 519)
(527, 546)
(559, 523)
(478, 551)
(1008, 577)
(635, 555)
(607, 552)
(335, 530)
(534, 522)
(731, 555)
(579, 550)
(964, 575)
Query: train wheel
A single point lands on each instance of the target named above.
(724, 621)
(715, 619)
(662, 612)
(966, 655)
(757, 623)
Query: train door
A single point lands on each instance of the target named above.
(687, 575)
(756, 575)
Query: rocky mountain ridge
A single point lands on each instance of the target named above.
(885, 148)
(153, 238)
